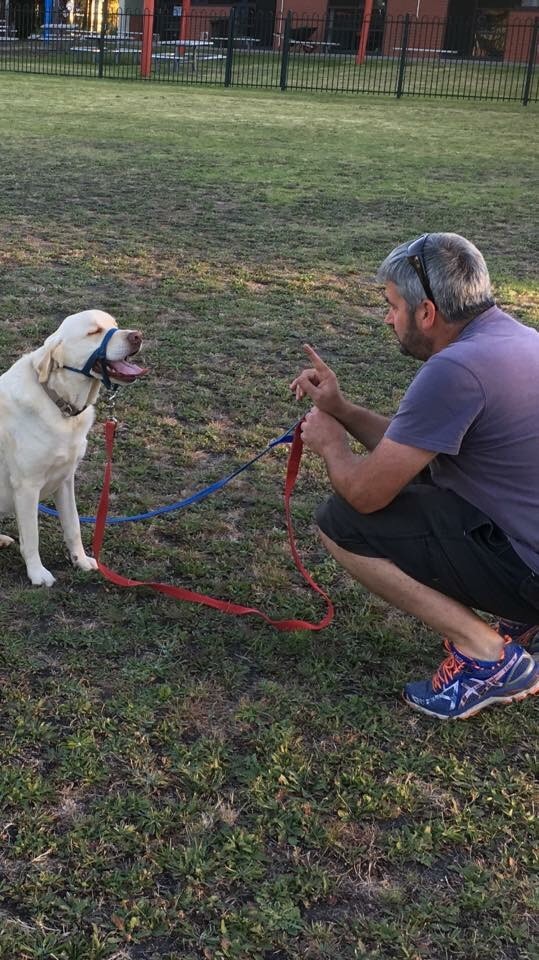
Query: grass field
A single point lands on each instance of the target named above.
(181, 785)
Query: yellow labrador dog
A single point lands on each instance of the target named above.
(46, 411)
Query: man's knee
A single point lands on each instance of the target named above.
(339, 524)
(332, 548)
(329, 544)
(360, 566)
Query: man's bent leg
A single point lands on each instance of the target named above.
(477, 673)
(435, 556)
(462, 627)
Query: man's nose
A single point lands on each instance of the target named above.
(135, 339)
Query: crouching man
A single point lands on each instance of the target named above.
(462, 535)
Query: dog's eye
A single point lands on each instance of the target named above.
(92, 333)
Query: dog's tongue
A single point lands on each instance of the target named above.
(125, 369)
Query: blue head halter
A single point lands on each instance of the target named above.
(99, 354)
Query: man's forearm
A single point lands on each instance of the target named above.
(349, 478)
(363, 424)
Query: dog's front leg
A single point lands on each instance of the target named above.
(69, 518)
(26, 503)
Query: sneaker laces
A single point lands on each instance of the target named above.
(454, 664)
(449, 668)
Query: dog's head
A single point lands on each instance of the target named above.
(79, 337)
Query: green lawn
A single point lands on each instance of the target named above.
(181, 785)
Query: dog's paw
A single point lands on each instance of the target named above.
(5, 541)
(41, 577)
(85, 563)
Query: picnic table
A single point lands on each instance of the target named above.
(59, 32)
(115, 52)
(7, 33)
(426, 50)
(128, 36)
(247, 43)
(187, 52)
(313, 46)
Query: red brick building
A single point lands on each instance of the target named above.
(478, 29)
(491, 29)
(486, 29)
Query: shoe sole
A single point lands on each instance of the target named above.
(490, 701)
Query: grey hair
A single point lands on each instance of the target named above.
(457, 273)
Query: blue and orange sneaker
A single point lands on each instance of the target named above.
(525, 634)
(462, 687)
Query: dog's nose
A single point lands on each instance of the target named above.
(135, 339)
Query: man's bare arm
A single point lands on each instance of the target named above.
(367, 482)
(364, 425)
(321, 385)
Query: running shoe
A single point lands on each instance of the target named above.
(462, 686)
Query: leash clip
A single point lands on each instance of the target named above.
(111, 402)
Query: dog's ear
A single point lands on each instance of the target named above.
(52, 356)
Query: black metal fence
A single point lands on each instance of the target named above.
(466, 58)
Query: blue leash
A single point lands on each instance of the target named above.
(195, 497)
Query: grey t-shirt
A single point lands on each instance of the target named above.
(476, 404)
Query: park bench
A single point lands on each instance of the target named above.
(93, 50)
(239, 43)
(427, 50)
(245, 43)
(314, 46)
(191, 57)
(175, 60)
(116, 52)
(58, 33)
(186, 51)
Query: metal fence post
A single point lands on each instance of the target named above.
(402, 62)
(230, 46)
(101, 54)
(285, 53)
(531, 64)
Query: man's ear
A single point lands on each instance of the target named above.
(52, 356)
(425, 315)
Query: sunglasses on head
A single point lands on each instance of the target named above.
(415, 258)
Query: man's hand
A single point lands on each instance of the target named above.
(320, 384)
(322, 434)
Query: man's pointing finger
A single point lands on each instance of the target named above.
(316, 359)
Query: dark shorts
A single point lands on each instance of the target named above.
(440, 540)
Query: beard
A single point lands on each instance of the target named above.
(414, 343)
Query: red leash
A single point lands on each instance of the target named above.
(178, 593)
